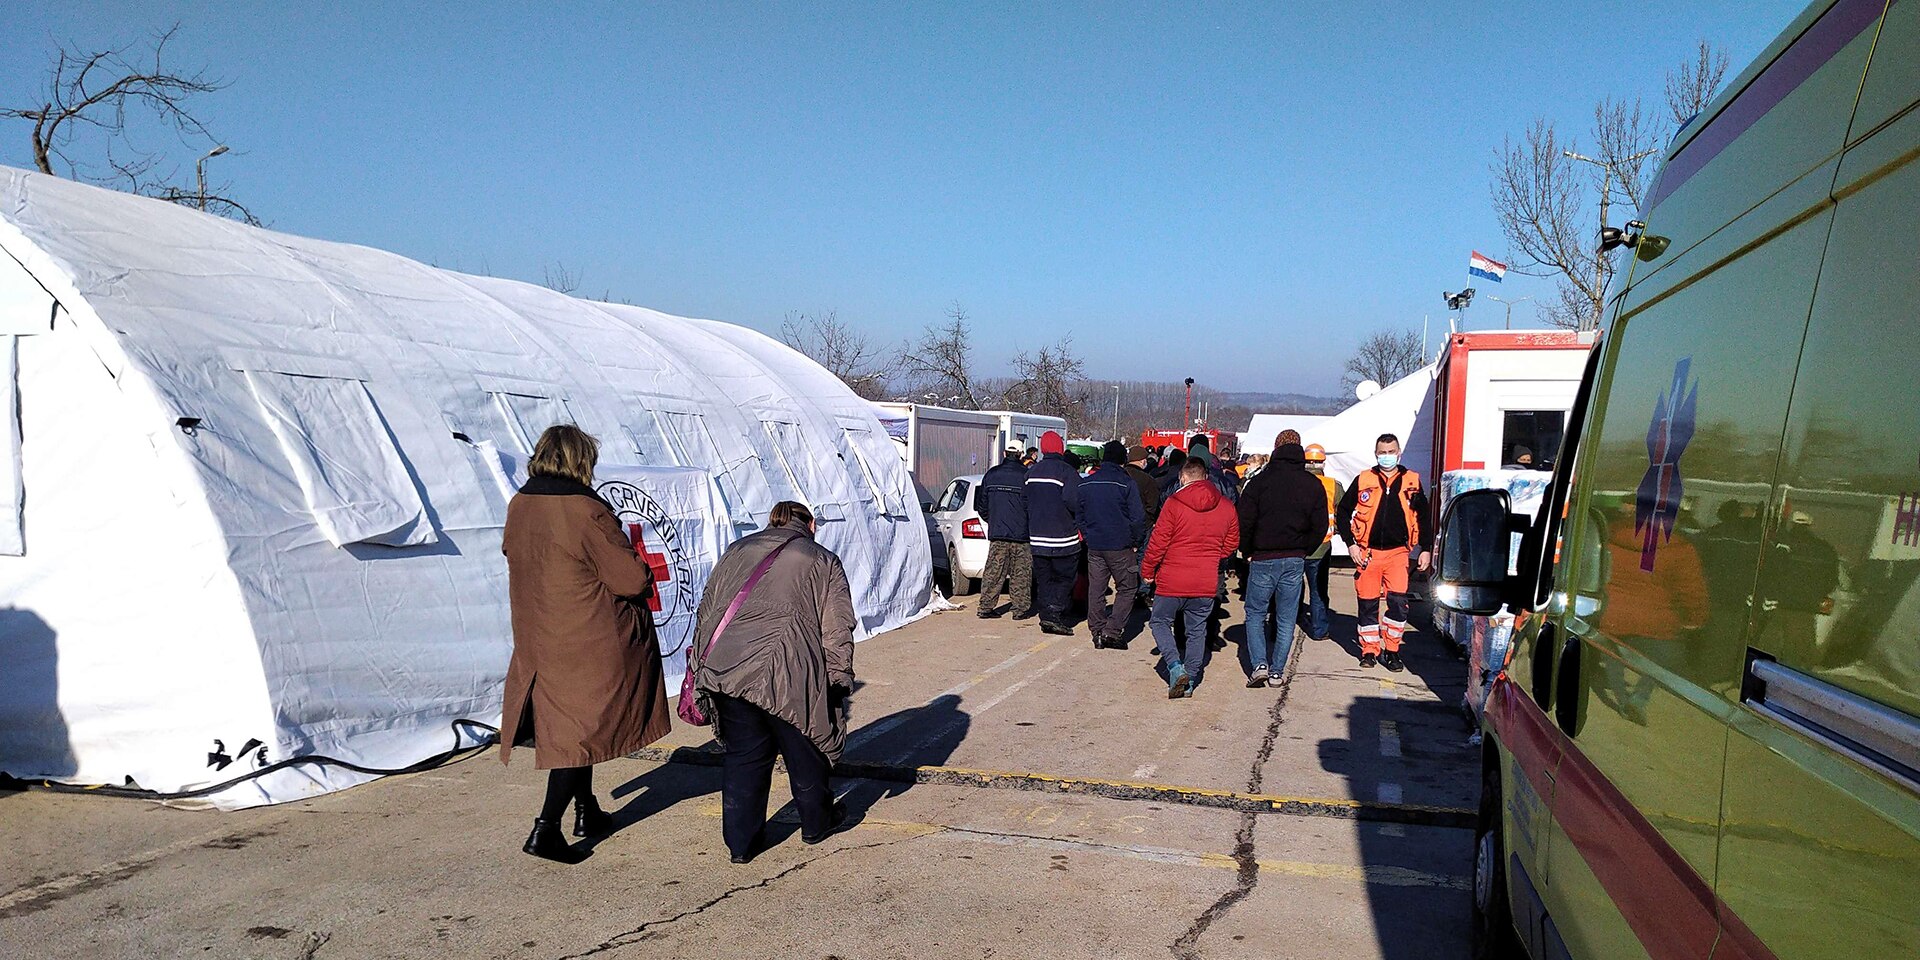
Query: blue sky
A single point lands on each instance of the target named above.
(1238, 193)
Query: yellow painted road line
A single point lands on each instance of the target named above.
(1335, 807)
(1377, 874)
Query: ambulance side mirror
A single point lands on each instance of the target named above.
(1475, 553)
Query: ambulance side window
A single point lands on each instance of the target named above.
(1552, 523)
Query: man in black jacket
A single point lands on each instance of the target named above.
(1283, 517)
(1138, 460)
(1002, 503)
(1112, 524)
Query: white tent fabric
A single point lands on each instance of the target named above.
(262, 503)
(1403, 408)
(1349, 435)
(1264, 427)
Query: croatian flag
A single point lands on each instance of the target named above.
(1481, 265)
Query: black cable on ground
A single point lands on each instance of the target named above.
(438, 760)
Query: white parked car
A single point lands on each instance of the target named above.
(962, 532)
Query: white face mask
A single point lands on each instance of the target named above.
(1387, 461)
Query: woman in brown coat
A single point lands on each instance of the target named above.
(779, 676)
(585, 683)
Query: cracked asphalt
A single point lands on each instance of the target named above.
(956, 865)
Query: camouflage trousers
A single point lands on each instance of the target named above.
(1007, 560)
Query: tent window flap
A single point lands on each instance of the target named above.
(804, 469)
(12, 535)
(693, 446)
(529, 416)
(350, 470)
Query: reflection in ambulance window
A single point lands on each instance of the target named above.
(1530, 439)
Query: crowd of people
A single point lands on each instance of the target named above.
(771, 659)
(1165, 527)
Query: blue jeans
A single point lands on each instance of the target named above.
(1195, 611)
(1316, 600)
(1273, 585)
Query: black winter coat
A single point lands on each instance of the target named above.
(1002, 501)
(1283, 510)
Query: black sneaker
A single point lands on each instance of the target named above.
(1368, 660)
(1027, 614)
(1057, 629)
(1391, 660)
(1099, 642)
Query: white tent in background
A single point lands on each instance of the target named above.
(1264, 427)
(250, 494)
(1403, 408)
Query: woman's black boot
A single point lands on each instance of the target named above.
(589, 820)
(546, 842)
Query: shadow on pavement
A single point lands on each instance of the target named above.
(923, 736)
(1416, 894)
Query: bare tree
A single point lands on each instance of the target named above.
(1538, 197)
(1553, 201)
(845, 352)
(83, 109)
(941, 361)
(1384, 357)
(1541, 189)
(556, 277)
(1051, 380)
(1692, 85)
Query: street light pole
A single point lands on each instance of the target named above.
(1509, 305)
(200, 171)
(1606, 197)
(1116, 411)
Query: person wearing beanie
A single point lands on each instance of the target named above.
(1315, 586)
(1002, 502)
(1112, 520)
(1283, 517)
(1143, 480)
(1053, 532)
(1140, 469)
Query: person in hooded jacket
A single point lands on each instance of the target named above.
(1112, 521)
(1283, 517)
(1198, 529)
(1053, 532)
(1002, 504)
(780, 676)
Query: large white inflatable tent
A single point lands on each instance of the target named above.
(251, 486)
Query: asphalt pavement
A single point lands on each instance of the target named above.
(1019, 795)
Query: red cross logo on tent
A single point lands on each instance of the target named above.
(658, 561)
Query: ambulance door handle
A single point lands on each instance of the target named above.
(1566, 694)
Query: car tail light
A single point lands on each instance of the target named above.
(973, 529)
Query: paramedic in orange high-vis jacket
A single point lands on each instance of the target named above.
(1380, 519)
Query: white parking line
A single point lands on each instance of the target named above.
(870, 733)
(1389, 738)
(1391, 793)
(972, 713)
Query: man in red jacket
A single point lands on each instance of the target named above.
(1197, 529)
